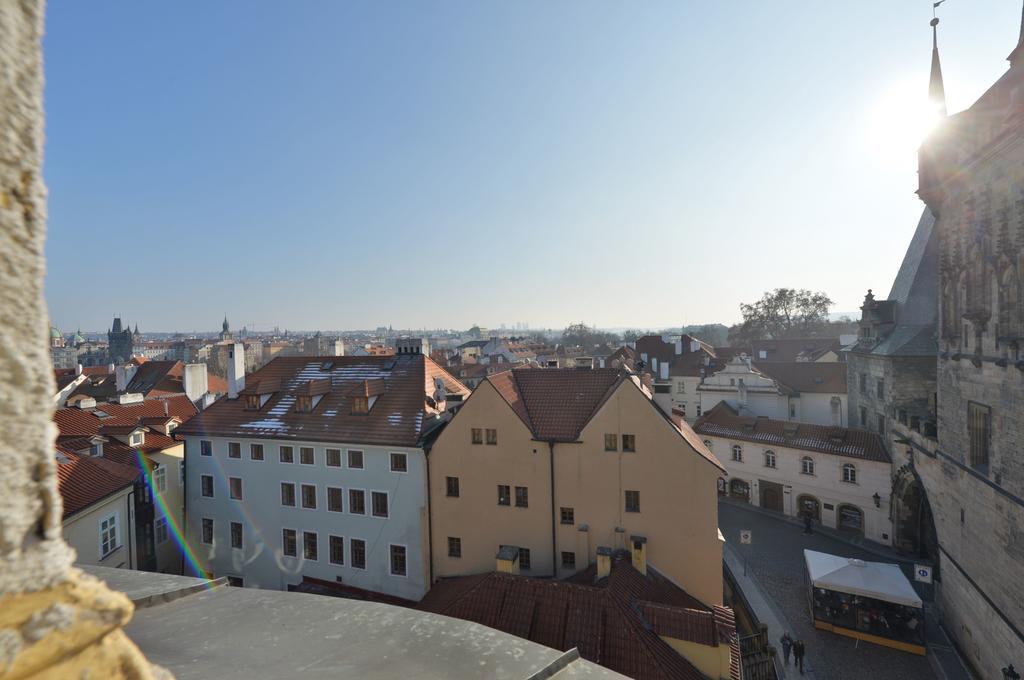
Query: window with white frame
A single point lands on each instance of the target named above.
(236, 535)
(207, 536)
(849, 473)
(398, 563)
(737, 453)
(309, 496)
(160, 477)
(160, 529)
(380, 503)
(235, 488)
(288, 494)
(334, 499)
(769, 458)
(807, 465)
(109, 535)
(135, 439)
(206, 484)
(399, 462)
(205, 447)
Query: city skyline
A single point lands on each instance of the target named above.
(362, 159)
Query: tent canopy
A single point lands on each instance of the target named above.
(877, 580)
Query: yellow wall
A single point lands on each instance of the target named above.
(82, 532)
(678, 498)
(168, 554)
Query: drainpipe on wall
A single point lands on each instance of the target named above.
(554, 553)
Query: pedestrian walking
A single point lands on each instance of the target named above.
(787, 644)
(807, 522)
(798, 655)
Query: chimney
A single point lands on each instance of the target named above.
(78, 369)
(639, 553)
(123, 375)
(86, 403)
(604, 562)
(195, 381)
(646, 381)
(508, 559)
(654, 364)
(236, 369)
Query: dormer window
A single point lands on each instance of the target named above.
(136, 438)
(304, 404)
(252, 402)
(360, 405)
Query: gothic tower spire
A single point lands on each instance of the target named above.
(1017, 56)
(936, 90)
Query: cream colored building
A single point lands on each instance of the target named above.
(560, 462)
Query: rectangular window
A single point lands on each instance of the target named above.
(632, 501)
(108, 535)
(380, 503)
(979, 431)
(334, 499)
(357, 549)
(504, 495)
(452, 486)
(524, 558)
(355, 460)
(235, 486)
(398, 565)
(207, 537)
(477, 435)
(306, 455)
(288, 494)
(234, 450)
(236, 535)
(880, 388)
(160, 478)
(881, 424)
(287, 454)
(629, 443)
(522, 497)
(454, 546)
(792, 409)
(333, 457)
(160, 528)
(206, 482)
(357, 501)
(236, 581)
(337, 550)
(568, 560)
(492, 437)
(864, 383)
(205, 447)
(289, 543)
(863, 417)
(256, 451)
(309, 545)
(568, 516)
(309, 496)
(611, 442)
(399, 462)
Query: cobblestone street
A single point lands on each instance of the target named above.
(775, 559)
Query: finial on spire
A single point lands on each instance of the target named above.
(1017, 56)
(936, 90)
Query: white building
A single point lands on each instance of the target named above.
(800, 391)
(313, 470)
(841, 476)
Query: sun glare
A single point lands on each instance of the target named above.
(899, 120)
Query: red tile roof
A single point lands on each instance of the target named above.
(556, 403)
(84, 480)
(401, 385)
(724, 421)
(788, 349)
(608, 621)
(76, 422)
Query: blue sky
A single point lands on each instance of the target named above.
(317, 164)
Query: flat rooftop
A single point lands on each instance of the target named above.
(202, 629)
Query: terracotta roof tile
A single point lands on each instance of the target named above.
(607, 621)
(398, 414)
(806, 376)
(84, 480)
(724, 421)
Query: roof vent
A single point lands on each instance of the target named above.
(88, 402)
(102, 415)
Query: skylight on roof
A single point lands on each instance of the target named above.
(102, 415)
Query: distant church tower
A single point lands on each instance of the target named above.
(225, 331)
(119, 342)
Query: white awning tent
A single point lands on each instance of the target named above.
(877, 580)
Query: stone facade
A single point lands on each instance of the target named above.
(971, 174)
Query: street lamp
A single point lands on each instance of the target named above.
(877, 499)
(1010, 674)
